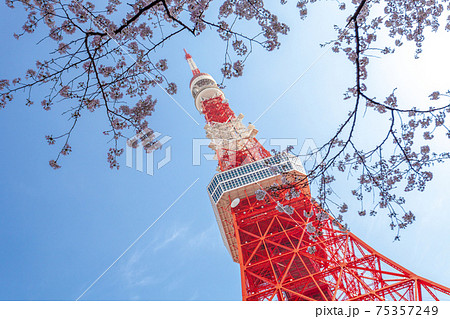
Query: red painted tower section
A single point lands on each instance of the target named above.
(287, 246)
(241, 146)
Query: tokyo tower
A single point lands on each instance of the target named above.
(287, 246)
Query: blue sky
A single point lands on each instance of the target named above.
(59, 230)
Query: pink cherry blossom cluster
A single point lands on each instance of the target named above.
(92, 71)
(101, 59)
(386, 168)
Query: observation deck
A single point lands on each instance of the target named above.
(242, 182)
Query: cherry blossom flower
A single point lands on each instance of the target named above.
(279, 207)
(274, 170)
(172, 88)
(311, 250)
(93, 104)
(260, 194)
(344, 207)
(321, 216)
(53, 164)
(291, 194)
(64, 92)
(308, 214)
(288, 209)
(162, 65)
(310, 228)
(66, 149)
(50, 139)
(434, 96)
(62, 48)
(68, 27)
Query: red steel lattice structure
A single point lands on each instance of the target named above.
(287, 246)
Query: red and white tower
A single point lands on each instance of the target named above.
(287, 246)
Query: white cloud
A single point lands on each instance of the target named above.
(178, 232)
(206, 238)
